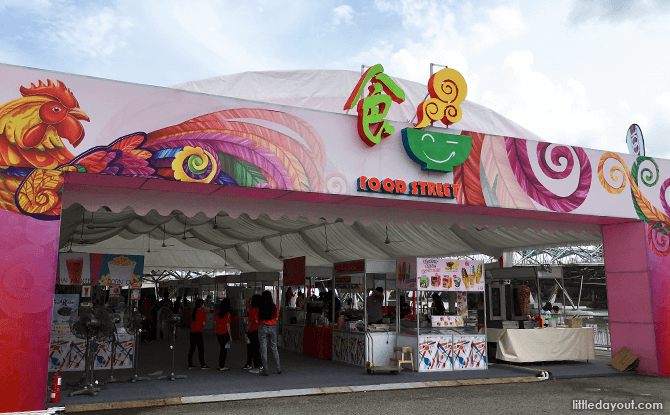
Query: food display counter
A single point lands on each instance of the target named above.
(444, 337)
(543, 345)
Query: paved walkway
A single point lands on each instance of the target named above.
(301, 375)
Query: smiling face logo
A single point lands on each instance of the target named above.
(436, 151)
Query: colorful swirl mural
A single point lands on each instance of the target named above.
(224, 147)
(658, 222)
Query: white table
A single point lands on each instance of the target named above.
(543, 345)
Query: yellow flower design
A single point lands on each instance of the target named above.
(197, 162)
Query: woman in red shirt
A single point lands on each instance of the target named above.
(267, 330)
(222, 319)
(198, 321)
(253, 346)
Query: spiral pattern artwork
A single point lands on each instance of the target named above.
(39, 194)
(659, 241)
(517, 152)
(337, 184)
(194, 165)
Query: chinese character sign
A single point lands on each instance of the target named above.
(372, 110)
(447, 89)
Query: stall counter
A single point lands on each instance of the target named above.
(543, 345)
(66, 353)
(349, 347)
(446, 351)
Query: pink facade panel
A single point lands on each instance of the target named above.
(27, 279)
(629, 297)
(625, 250)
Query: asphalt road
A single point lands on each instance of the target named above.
(548, 397)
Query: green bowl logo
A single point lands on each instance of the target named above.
(436, 151)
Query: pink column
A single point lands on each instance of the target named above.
(638, 293)
(28, 257)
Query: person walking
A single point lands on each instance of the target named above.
(251, 335)
(267, 330)
(198, 321)
(222, 319)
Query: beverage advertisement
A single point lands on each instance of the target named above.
(64, 306)
(74, 268)
(440, 274)
(120, 270)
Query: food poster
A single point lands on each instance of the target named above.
(64, 306)
(74, 268)
(469, 352)
(436, 353)
(440, 274)
(462, 303)
(406, 274)
(447, 321)
(111, 269)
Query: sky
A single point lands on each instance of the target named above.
(572, 72)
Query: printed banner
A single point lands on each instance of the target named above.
(120, 270)
(74, 268)
(294, 271)
(64, 306)
(440, 274)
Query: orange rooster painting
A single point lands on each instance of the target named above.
(223, 148)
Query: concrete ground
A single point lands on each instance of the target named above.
(546, 397)
(302, 376)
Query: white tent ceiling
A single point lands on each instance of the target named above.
(202, 243)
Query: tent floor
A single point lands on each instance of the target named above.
(299, 372)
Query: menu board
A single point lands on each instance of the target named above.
(447, 321)
(440, 274)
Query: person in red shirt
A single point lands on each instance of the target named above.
(253, 345)
(198, 321)
(267, 330)
(222, 319)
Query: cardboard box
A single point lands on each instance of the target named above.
(624, 360)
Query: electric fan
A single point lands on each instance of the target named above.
(172, 321)
(132, 322)
(115, 339)
(92, 324)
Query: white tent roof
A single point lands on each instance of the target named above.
(328, 90)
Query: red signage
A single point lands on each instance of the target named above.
(294, 271)
(221, 278)
(342, 280)
(349, 267)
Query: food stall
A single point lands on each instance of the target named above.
(453, 338)
(358, 342)
(519, 332)
(302, 323)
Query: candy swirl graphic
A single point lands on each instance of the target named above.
(659, 241)
(39, 194)
(337, 184)
(193, 164)
(517, 153)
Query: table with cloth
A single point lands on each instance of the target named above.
(542, 345)
(318, 342)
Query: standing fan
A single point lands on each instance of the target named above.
(92, 324)
(132, 322)
(172, 321)
(115, 339)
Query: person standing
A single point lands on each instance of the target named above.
(267, 330)
(374, 306)
(222, 319)
(251, 335)
(198, 321)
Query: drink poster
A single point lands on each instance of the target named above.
(440, 274)
(64, 306)
(123, 270)
(74, 268)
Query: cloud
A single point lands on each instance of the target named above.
(344, 13)
(616, 11)
(98, 35)
(557, 112)
(505, 23)
(664, 101)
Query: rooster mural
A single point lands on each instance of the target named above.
(224, 147)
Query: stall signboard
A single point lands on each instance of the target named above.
(220, 279)
(294, 271)
(74, 268)
(447, 321)
(350, 267)
(440, 274)
(111, 269)
(64, 306)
